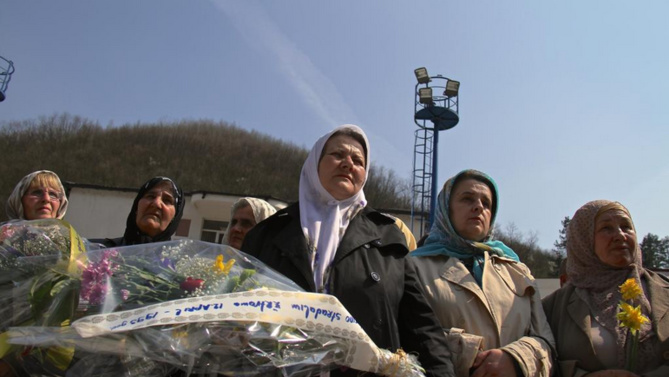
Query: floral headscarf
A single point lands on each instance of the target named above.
(596, 282)
(444, 240)
(15, 205)
(132, 235)
(261, 210)
(324, 219)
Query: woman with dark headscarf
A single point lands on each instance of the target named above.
(154, 216)
(479, 286)
(38, 195)
(332, 242)
(602, 254)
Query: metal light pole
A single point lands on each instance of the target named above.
(435, 109)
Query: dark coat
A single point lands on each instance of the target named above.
(370, 276)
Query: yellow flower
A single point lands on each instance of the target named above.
(631, 317)
(630, 289)
(223, 267)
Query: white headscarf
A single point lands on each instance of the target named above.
(261, 210)
(324, 219)
(15, 204)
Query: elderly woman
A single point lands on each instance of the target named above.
(39, 195)
(154, 216)
(244, 215)
(602, 253)
(332, 242)
(479, 286)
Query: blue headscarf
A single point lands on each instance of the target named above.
(444, 240)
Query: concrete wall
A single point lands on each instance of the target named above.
(96, 213)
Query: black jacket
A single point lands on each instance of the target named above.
(370, 276)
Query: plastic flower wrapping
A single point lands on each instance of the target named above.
(190, 308)
(37, 265)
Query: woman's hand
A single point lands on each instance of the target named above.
(493, 362)
(612, 373)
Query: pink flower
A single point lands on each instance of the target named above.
(6, 232)
(94, 278)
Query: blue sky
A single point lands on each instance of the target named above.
(561, 103)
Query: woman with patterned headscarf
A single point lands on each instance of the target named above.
(478, 286)
(332, 242)
(154, 216)
(244, 215)
(38, 195)
(602, 254)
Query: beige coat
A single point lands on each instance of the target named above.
(569, 316)
(507, 312)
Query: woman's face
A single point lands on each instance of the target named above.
(41, 203)
(156, 209)
(615, 238)
(242, 221)
(341, 170)
(470, 209)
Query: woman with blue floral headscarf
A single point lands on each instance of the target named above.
(478, 286)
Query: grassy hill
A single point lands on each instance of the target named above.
(198, 155)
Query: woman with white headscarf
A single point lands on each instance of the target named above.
(244, 215)
(332, 242)
(38, 195)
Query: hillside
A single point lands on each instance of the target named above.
(199, 155)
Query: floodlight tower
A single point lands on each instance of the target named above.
(435, 109)
(6, 70)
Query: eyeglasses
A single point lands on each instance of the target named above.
(53, 195)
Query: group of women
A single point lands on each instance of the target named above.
(462, 302)
(154, 215)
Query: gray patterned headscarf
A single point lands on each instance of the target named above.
(15, 205)
(596, 282)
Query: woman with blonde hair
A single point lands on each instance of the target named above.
(38, 195)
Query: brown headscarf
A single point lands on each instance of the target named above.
(596, 282)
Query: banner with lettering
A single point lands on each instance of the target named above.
(309, 311)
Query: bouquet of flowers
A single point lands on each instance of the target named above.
(630, 317)
(37, 286)
(194, 308)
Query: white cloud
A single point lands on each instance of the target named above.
(315, 89)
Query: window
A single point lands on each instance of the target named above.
(213, 231)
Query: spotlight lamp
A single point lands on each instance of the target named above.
(421, 75)
(425, 96)
(452, 87)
